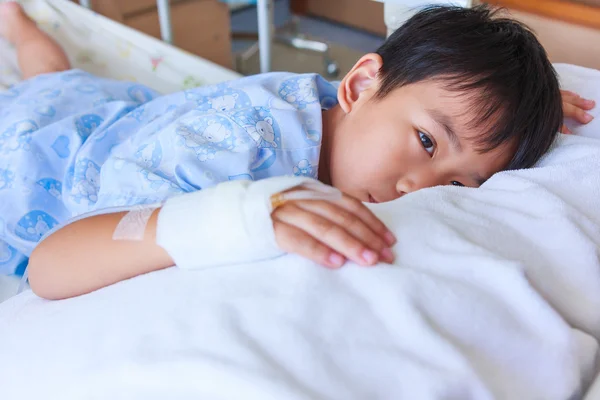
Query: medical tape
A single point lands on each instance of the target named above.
(133, 224)
(131, 227)
(23, 283)
(306, 191)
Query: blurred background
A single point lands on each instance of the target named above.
(225, 31)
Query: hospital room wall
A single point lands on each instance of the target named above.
(569, 30)
(565, 42)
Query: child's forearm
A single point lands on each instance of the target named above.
(227, 224)
(82, 257)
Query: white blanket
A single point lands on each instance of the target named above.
(495, 294)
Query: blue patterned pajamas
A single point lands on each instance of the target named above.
(72, 143)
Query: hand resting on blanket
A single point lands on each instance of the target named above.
(329, 233)
(83, 256)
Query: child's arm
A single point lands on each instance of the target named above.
(82, 257)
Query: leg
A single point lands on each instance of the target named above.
(37, 53)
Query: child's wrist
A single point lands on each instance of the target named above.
(227, 224)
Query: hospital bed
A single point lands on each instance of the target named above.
(495, 293)
(106, 48)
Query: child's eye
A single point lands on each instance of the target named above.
(456, 183)
(427, 143)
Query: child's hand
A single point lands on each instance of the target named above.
(575, 107)
(329, 233)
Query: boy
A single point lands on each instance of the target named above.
(451, 98)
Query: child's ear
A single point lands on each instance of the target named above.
(361, 77)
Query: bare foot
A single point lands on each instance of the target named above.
(37, 53)
(15, 24)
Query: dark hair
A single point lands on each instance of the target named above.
(513, 88)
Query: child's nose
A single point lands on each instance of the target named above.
(416, 181)
(405, 186)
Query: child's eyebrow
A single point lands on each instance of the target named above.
(446, 122)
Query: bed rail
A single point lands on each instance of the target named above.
(164, 18)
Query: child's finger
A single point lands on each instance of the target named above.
(576, 100)
(582, 103)
(357, 208)
(293, 240)
(349, 221)
(328, 233)
(579, 115)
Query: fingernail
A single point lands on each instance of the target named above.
(390, 239)
(587, 117)
(369, 256)
(589, 103)
(387, 255)
(336, 260)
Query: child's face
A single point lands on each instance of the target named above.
(415, 137)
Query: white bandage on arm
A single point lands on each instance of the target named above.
(231, 222)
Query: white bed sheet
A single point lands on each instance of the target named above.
(495, 294)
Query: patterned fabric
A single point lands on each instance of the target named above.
(72, 143)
